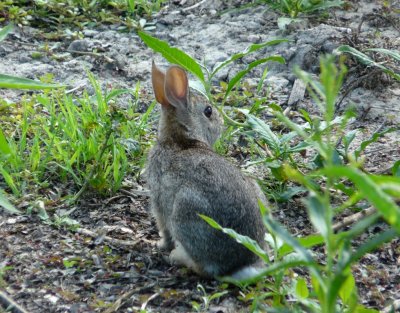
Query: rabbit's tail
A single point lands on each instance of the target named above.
(248, 272)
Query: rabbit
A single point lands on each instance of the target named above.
(186, 178)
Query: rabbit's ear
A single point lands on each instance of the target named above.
(176, 86)
(158, 80)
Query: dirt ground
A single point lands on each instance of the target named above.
(55, 270)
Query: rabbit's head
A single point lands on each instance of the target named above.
(186, 116)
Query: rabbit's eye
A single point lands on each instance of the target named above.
(208, 111)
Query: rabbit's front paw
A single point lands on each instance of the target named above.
(179, 256)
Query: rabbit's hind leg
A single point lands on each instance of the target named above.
(165, 243)
(179, 256)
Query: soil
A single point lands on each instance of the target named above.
(57, 270)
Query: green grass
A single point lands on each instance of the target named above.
(57, 138)
(56, 15)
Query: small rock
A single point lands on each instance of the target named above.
(79, 45)
(24, 59)
(90, 33)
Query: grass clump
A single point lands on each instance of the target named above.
(57, 138)
(78, 13)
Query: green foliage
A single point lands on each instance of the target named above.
(87, 140)
(177, 56)
(368, 61)
(5, 31)
(206, 299)
(78, 13)
(8, 81)
(293, 8)
(332, 286)
(4, 203)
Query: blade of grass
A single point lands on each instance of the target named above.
(173, 55)
(5, 31)
(8, 81)
(7, 204)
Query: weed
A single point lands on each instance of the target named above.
(4, 203)
(176, 56)
(295, 7)
(206, 298)
(88, 140)
(332, 286)
(368, 61)
(78, 13)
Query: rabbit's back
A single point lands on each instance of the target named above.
(201, 182)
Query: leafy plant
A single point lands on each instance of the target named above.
(332, 286)
(206, 298)
(4, 203)
(295, 7)
(79, 13)
(5, 31)
(177, 56)
(368, 61)
(88, 140)
(8, 81)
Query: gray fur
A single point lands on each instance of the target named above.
(186, 177)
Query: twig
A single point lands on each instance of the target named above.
(117, 304)
(143, 307)
(135, 193)
(194, 6)
(92, 54)
(118, 242)
(353, 218)
(10, 305)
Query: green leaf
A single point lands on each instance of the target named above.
(348, 139)
(394, 54)
(173, 55)
(265, 132)
(289, 193)
(252, 65)
(370, 190)
(7, 204)
(359, 228)
(372, 139)
(317, 212)
(116, 93)
(307, 242)
(301, 288)
(4, 147)
(5, 31)
(9, 180)
(373, 244)
(7, 81)
(248, 50)
(284, 235)
(362, 309)
(347, 289)
(272, 269)
(367, 61)
(249, 243)
(396, 169)
(389, 184)
(352, 257)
